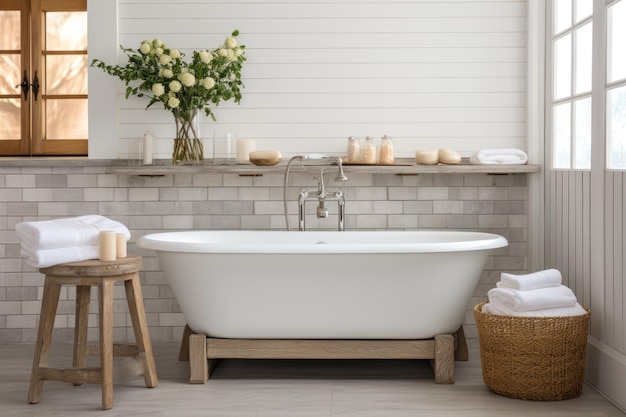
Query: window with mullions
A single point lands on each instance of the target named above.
(572, 37)
(616, 85)
(571, 29)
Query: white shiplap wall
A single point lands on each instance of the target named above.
(429, 73)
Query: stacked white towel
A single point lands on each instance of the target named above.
(539, 294)
(503, 156)
(50, 242)
(541, 279)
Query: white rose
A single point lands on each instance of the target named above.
(223, 52)
(205, 57)
(167, 73)
(187, 79)
(238, 51)
(230, 42)
(173, 102)
(158, 51)
(157, 43)
(158, 89)
(174, 53)
(175, 86)
(145, 47)
(231, 55)
(208, 83)
(164, 59)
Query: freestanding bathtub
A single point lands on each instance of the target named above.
(273, 290)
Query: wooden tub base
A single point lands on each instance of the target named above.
(203, 352)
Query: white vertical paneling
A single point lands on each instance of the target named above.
(568, 216)
(570, 239)
(609, 277)
(577, 241)
(586, 240)
(623, 263)
(428, 73)
(551, 218)
(618, 271)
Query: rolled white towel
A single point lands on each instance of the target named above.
(539, 299)
(66, 232)
(533, 281)
(576, 310)
(503, 156)
(44, 258)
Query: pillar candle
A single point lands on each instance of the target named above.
(107, 246)
(120, 245)
(147, 148)
(244, 147)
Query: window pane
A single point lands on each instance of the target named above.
(616, 68)
(562, 136)
(584, 8)
(616, 128)
(10, 33)
(10, 116)
(584, 36)
(562, 15)
(66, 119)
(66, 74)
(582, 114)
(10, 65)
(66, 31)
(563, 67)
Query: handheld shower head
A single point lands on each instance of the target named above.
(340, 176)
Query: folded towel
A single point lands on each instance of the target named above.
(503, 156)
(67, 232)
(576, 310)
(539, 299)
(533, 281)
(47, 257)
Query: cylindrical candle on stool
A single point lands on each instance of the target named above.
(107, 246)
(120, 245)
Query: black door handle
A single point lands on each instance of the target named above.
(24, 84)
(35, 85)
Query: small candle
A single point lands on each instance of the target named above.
(244, 147)
(107, 246)
(147, 148)
(120, 245)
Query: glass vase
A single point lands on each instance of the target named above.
(188, 148)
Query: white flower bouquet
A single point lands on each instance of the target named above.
(161, 74)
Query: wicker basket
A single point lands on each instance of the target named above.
(532, 358)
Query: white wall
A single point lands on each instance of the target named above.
(429, 73)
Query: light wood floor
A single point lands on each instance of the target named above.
(279, 388)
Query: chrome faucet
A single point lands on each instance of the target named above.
(321, 195)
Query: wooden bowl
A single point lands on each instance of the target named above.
(265, 158)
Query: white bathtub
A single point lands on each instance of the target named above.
(323, 285)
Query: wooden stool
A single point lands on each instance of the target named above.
(84, 275)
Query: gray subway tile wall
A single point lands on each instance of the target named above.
(228, 201)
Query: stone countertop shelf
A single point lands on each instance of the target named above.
(401, 167)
